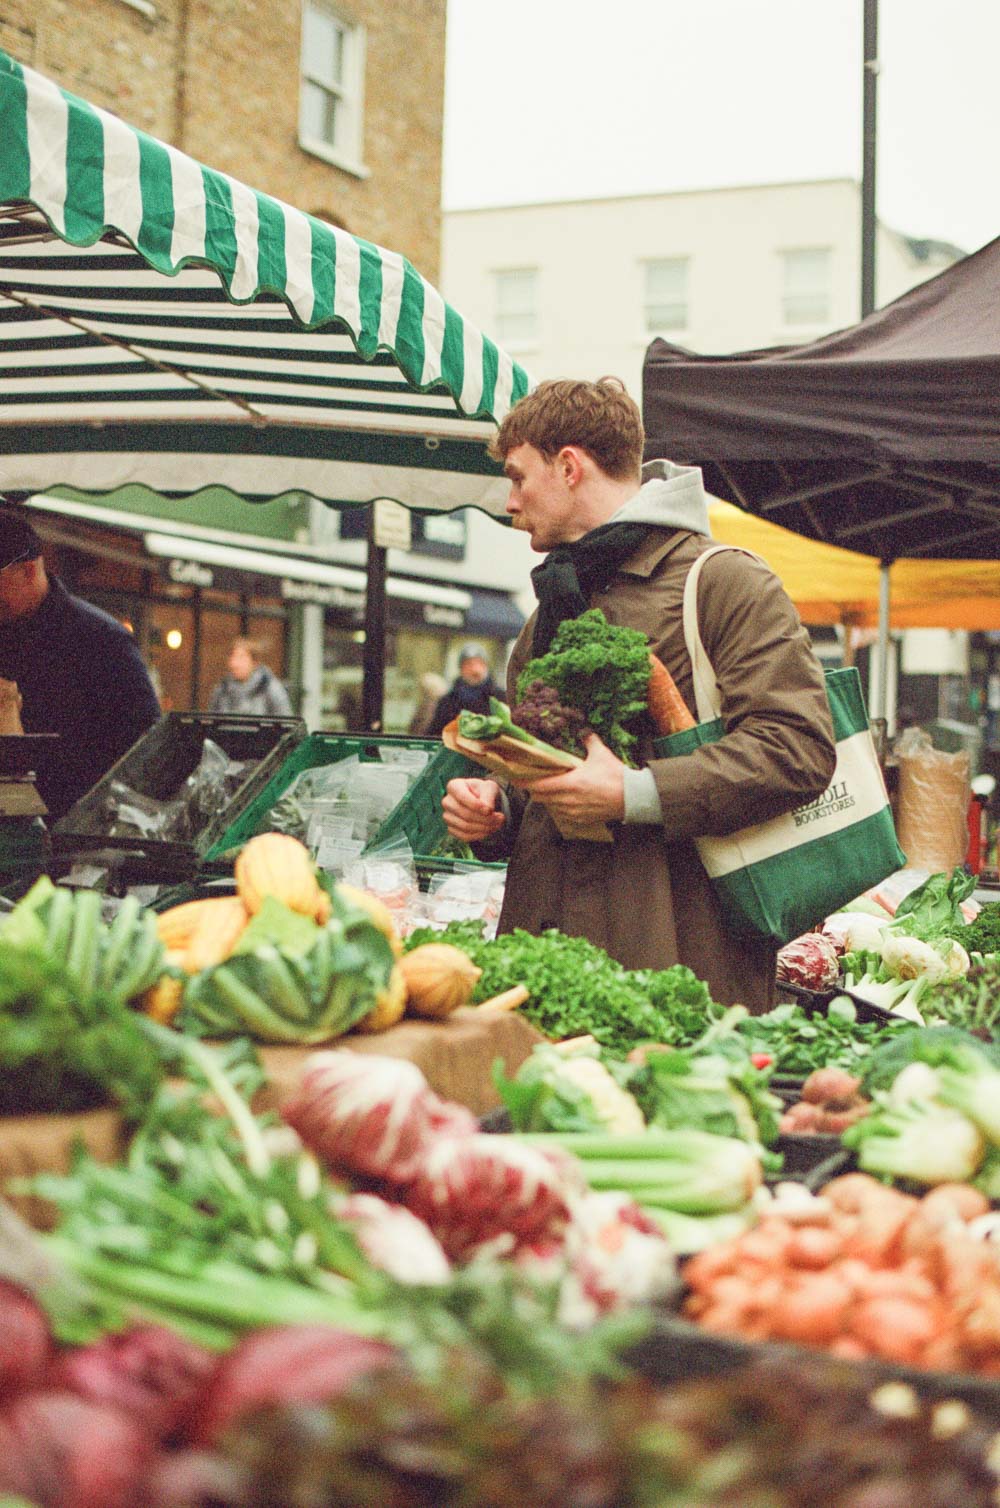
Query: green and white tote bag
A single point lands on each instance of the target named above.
(781, 877)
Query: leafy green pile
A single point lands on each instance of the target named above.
(711, 1089)
(923, 1044)
(983, 934)
(933, 909)
(62, 1049)
(971, 1001)
(602, 670)
(575, 988)
(800, 1041)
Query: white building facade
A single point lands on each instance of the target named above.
(579, 289)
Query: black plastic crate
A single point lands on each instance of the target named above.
(158, 765)
(797, 994)
(868, 1011)
(811, 1159)
(819, 1000)
(677, 1350)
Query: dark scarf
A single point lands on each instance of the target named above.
(570, 573)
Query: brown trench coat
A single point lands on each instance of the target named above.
(646, 897)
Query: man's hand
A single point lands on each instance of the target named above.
(594, 792)
(470, 811)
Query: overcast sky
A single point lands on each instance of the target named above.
(568, 99)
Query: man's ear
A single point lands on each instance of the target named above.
(571, 461)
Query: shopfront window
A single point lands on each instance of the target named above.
(170, 641)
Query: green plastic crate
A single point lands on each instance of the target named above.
(417, 818)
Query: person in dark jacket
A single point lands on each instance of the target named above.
(77, 670)
(251, 688)
(470, 692)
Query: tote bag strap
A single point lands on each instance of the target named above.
(708, 701)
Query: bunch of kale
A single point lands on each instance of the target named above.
(599, 674)
(541, 713)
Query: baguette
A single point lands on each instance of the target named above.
(667, 708)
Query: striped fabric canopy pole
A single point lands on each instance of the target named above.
(164, 324)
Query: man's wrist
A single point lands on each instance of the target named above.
(642, 800)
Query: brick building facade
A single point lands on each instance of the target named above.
(221, 79)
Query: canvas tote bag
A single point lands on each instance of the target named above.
(781, 877)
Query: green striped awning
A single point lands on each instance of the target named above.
(165, 324)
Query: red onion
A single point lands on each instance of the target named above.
(150, 1372)
(287, 1364)
(61, 1451)
(24, 1341)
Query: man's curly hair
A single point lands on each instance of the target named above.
(599, 417)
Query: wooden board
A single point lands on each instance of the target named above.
(31, 1144)
(456, 1056)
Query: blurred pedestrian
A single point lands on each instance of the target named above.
(251, 689)
(470, 692)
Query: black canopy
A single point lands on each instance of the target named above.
(883, 438)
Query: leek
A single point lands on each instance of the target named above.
(692, 1172)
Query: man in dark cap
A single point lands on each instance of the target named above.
(77, 671)
(471, 692)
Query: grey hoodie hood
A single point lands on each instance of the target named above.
(671, 496)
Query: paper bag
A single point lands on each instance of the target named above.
(521, 764)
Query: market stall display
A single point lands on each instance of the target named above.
(659, 1135)
(650, 1110)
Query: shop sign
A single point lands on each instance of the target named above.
(445, 617)
(190, 573)
(325, 596)
(391, 525)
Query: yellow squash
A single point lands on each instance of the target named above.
(439, 978)
(390, 1005)
(279, 865)
(216, 934)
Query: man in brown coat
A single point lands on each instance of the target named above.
(622, 537)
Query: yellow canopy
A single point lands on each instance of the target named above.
(831, 585)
